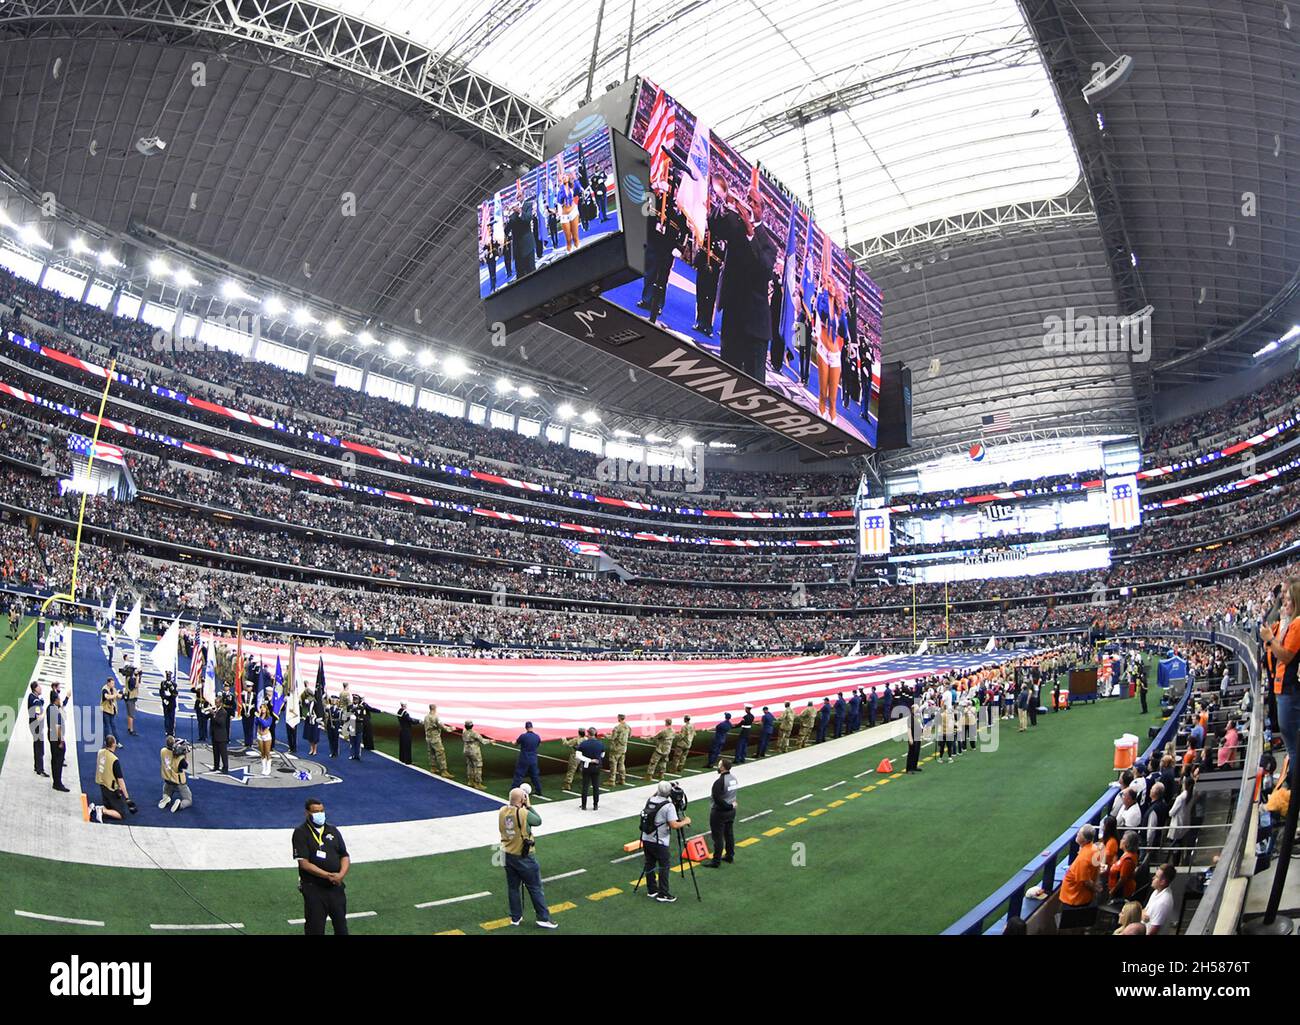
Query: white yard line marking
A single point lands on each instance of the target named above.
(859, 775)
(350, 914)
(834, 785)
(757, 815)
(454, 900)
(57, 918)
(183, 928)
(626, 857)
(565, 875)
(797, 800)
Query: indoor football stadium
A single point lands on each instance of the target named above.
(404, 532)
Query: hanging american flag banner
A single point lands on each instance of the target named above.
(999, 421)
(1125, 510)
(660, 136)
(80, 445)
(582, 547)
(873, 532)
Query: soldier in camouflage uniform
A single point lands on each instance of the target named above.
(804, 726)
(663, 744)
(572, 768)
(616, 748)
(784, 724)
(473, 756)
(681, 745)
(433, 728)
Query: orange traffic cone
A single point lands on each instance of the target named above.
(885, 765)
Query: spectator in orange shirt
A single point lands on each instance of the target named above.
(1123, 880)
(1283, 646)
(1083, 878)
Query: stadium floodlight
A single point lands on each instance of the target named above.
(591, 417)
(366, 339)
(158, 267)
(273, 305)
(1265, 350)
(620, 433)
(232, 289)
(333, 328)
(107, 259)
(424, 357)
(686, 441)
(455, 366)
(397, 349)
(79, 245)
(654, 439)
(504, 387)
(527, 391)
(33, 237)
(565, 412)
(184, 278)
(1295, 330)
(302, 316)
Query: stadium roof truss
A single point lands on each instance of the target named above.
(946, 140)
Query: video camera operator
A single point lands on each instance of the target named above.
(659, 818)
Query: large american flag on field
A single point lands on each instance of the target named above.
(562, 696)
(660, 133)
(79, 444)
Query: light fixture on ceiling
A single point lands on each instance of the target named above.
(1108, 79)
(366, 339)
(527, 391)
(147, 146)
(455, 366)
(424, 357)
(273, 305)
(159, 268)
(591, 417)
(565, 411)
(397, 349)
(503, 386)
(333, 328)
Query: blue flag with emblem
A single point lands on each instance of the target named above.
(277, 696)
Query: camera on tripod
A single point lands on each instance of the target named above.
(679, 799)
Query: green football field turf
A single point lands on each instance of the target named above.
(909, 856)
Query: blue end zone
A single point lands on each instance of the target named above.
(375, 789)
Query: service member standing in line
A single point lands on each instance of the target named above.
(404, 724)
(167, 693)
(322, 863)
(433, 730)
(526, 764)
(333, 725)
(719, 740)
(55, 724)
(663, 741)
(742, 741)
(765, 732)
(473, 744)
(784, 727)
(681, 746)
(722, 816)
(571, 769)
(618, 741)
(804, 726)
(36, 723)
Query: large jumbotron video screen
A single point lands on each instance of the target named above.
(548, 213)
(736, 268)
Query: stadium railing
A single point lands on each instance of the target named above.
(1010, 899)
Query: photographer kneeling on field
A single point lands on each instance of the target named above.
(658, 820)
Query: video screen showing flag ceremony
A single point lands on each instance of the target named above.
(668, 470)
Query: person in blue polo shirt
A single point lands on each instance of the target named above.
(526, 765)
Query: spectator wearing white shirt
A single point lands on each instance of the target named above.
(1130, 815)
(1160, 905)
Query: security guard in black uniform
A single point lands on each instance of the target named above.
(55, 729)
(322, 863)
(334, 725)
(167, 692)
